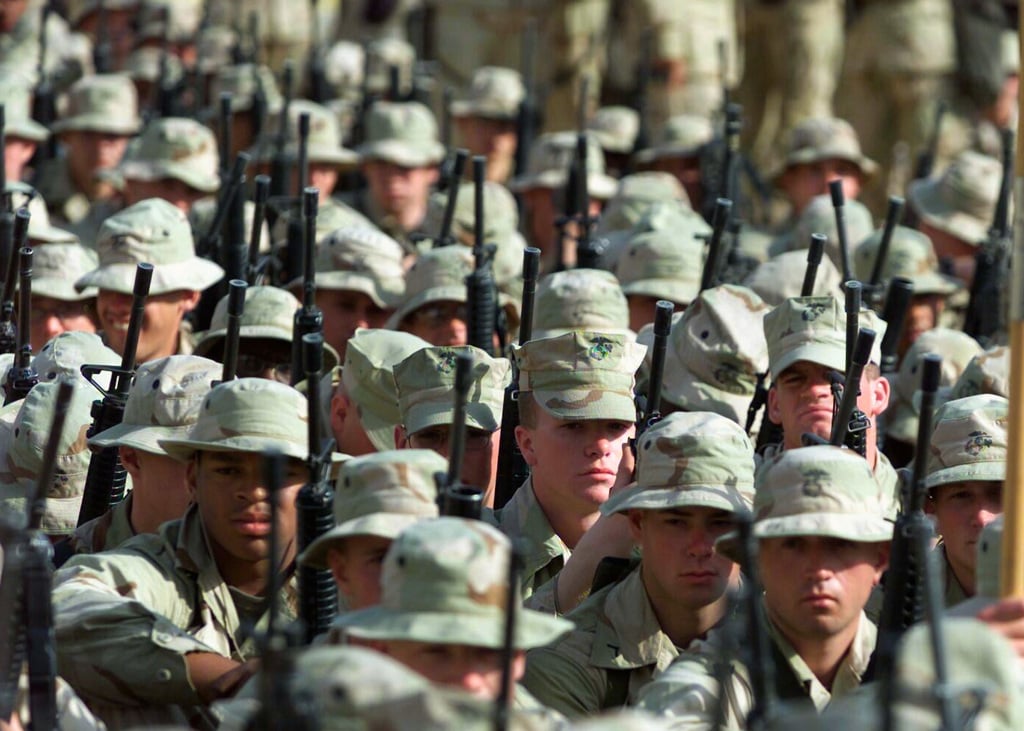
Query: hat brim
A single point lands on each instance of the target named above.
(673, 290)
(27, 129)
(195, 274)
(183, 449)
(357, 282)
(212, 339)
(403, 154)
(145, 438)
(382, 525)
(612, 405)
(660, 152)
(638, 497)
(856, 528)
(994, 471)
(423, 416)
(533, 629)
(62, 289)
(486, 111)
(865, 164)
(453, 293)
(926, 198)
(682, 388)
(828, 355)
(599, 185)
(104, 124)
(153, 171)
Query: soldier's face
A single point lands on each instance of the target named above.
(175, 192)
(356, 566)
(802, 183)
(51, 317)
(641, 310)
(494, 138)
(160, 322)
(574, 462)
(396, 189)
(92, 151)
(480, 461)
(234, 504)
(344, 312)
(476, 670)
(681, 569)
(439, 323)
(815, 587)
(10, 13)
(961, 510)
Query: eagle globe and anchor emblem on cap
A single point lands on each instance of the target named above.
(977, 442)
(812, 485)
(600, 348)
(446, 361)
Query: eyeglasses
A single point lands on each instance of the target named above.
(253, 366)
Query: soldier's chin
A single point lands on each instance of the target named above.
(596, 491)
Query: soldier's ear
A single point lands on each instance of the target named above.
(774, 412)
(882, 560)
(189, 301)
(524, 438)
(401, 438)
(880, 390)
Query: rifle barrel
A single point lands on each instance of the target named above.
(713, 263)
(531, 269)
(861, 355)
(814, 254)
(260, 195)
(452, 189)
(835, 189)
(457, 440)
(892, 218)
(897, 304)
(236, 308)
(662, 328)
(854, 290)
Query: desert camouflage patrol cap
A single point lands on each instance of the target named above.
(549, 161)
(824, 138)
(156, 232)
(819, 218)
(782, 277)
(381, 495)
(690, 460)
(64, 355)
(381, 55)
(682, 136)
(246, 415)
(983, 672)
(962, 200)
(56, 268)
(911, 255)
(615, 128)
(361, 259)
(581, 375)
(635, 196)
(245, 81)
(580, 299)
(814, 329)
(368, 380)
(438, 275)
(987, 372)
(956, 348)
(445, 581)
(662, 264)
(324, 145)
(23, 461)
(426, 388)
(817, 491)
(173, 147)
(715, 352)
(969, 441)
(269, 314)
(401, 133)
(105, 103)
(17, 98)
(163, 403)
(495, 92)
(149, 63)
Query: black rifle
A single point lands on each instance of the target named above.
(926, 158)
(295, 245)
(986, 317)
(451, 189)
(254, 271)
(207, 245)
(236, 308)
(455, 498)
(27, 571)
(3, 145)
(527, 114)
(835, 189)
(102, 49)
(319, 89)
(762, 668)
(512, 468)
(644, 72)
(897, 303)
(873, 288)
(481, 290)
(903, 603)
(309, 319)
(849, 427)
(22, 377)
(731, 167)
(650, 411)
(104, 483)
(814, 253)
(854, 291)
(8, 328)
(44, 97)
(318, 595)
(503, 706)
(588, 251)
(281, 162)
(713, 262)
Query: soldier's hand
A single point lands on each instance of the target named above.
(1006, 617)
(215, 676)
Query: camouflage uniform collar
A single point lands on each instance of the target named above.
(629, 635)
(524, 518)
(851, 668)
(106, 532)
(953, 592)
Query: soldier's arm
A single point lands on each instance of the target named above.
(121, 634)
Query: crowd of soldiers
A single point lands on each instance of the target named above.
(481, 363)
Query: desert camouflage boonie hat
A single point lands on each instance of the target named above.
(18, 121)
(682, 136)
(381, 495)
(817, 491)
(24, 457)
(635, 196)
(269, 313)
(402, 133)
(178, 20)
(361, 259)
(438, 275)
(911, 255)
(549, 161)
(105, 103)
(825, 138)
(244, 81)
(156, 232)
(215, 46)
(581, 375)
(40, 230)
(957, 348)
(987, 372)
(163, 403)
(324, 145)
(368, 380)
(501, 217)
(344, 66)
(819, 218)
(494, 93)
(246, 415)
(969, 441)
(173, 147)
(715, 352)
(662, 264)
(149, 62)
(64, 355)
(78, 10)
(962, 200)
(690, 460)
(814, 329)
(381, 55)
(56, 268)
(982, 679)
(331, 215)
(782, 277)
(580, 299)
(445, 581)
(426, 388)
(615, 128)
